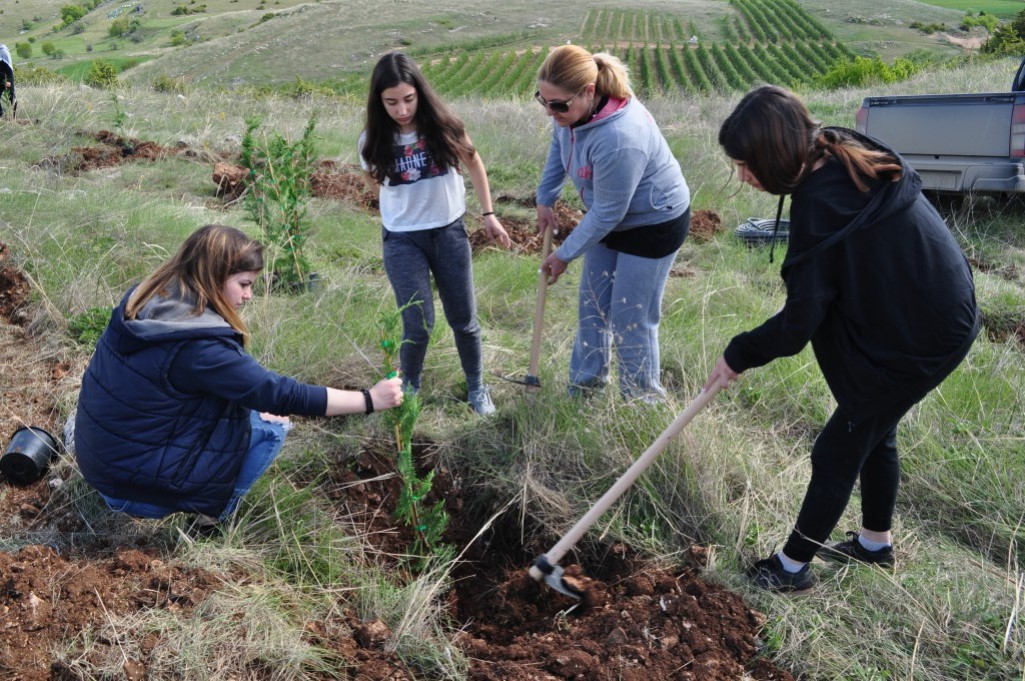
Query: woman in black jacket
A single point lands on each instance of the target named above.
(877, 283)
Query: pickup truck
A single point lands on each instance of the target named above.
(964, 143)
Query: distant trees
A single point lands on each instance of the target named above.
(72, 13)
(1007, 39)
(51, 50)
(123, 26)
(102, 75)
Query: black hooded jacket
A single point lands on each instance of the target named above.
(878, 285)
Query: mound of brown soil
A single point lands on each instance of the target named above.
(346, 183)
(45, 596)
(523, 233)
(704, 225)
(329, 181)
(112, 150)
(230, 180)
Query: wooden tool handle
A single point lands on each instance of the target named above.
(539, 308)
(632, 473)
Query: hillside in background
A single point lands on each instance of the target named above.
(481, 47)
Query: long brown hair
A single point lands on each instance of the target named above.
(442, 130)
(201, 267)
(772, 131)
(572, 68)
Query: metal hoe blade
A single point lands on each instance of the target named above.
(552, 575)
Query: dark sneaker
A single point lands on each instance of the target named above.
(770, 574)
(852, 550)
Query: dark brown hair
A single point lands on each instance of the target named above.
(772, 131)
(442, 130)
(201, 267)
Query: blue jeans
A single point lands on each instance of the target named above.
(264, 446)
(620, 303)
(410, 258)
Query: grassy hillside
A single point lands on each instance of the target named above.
(227, 43)
(732, 483)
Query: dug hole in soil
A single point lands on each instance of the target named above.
(638, 621)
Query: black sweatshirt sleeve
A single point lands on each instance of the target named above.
(810, 292)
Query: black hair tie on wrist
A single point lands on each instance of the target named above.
(369, 400)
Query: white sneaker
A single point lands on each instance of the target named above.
(480, 400)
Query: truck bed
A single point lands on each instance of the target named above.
(957, 143)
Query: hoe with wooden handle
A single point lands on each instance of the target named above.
(546, 567)
(532, 381)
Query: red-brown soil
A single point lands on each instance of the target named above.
(346, 183)
(640, 621)
(14, 287)
(112, 150)
(329, 181)
(704, 225)
(523, 232)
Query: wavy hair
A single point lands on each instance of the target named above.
(772, 131)
(442, 130)
(201, 267)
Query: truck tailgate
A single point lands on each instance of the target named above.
(938, 125)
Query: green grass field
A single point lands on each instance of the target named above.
(78, 70)
(1005, 9)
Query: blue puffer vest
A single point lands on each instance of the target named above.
(139, 438)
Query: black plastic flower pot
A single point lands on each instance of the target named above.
(28, 455)
(761, 231)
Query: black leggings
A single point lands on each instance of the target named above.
(842, 454)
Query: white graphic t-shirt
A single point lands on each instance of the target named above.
(416, 193)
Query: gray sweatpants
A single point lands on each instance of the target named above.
(410, 258)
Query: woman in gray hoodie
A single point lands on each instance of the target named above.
(637, 216)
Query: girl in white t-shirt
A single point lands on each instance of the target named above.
(411, 150)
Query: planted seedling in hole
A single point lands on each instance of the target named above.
(428, 521)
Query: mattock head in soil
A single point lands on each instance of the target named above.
(571, 582)
(594, 593)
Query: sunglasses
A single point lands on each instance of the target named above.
(556, 106)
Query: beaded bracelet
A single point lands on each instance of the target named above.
(369, 400)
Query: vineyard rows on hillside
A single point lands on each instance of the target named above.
(761, 40)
